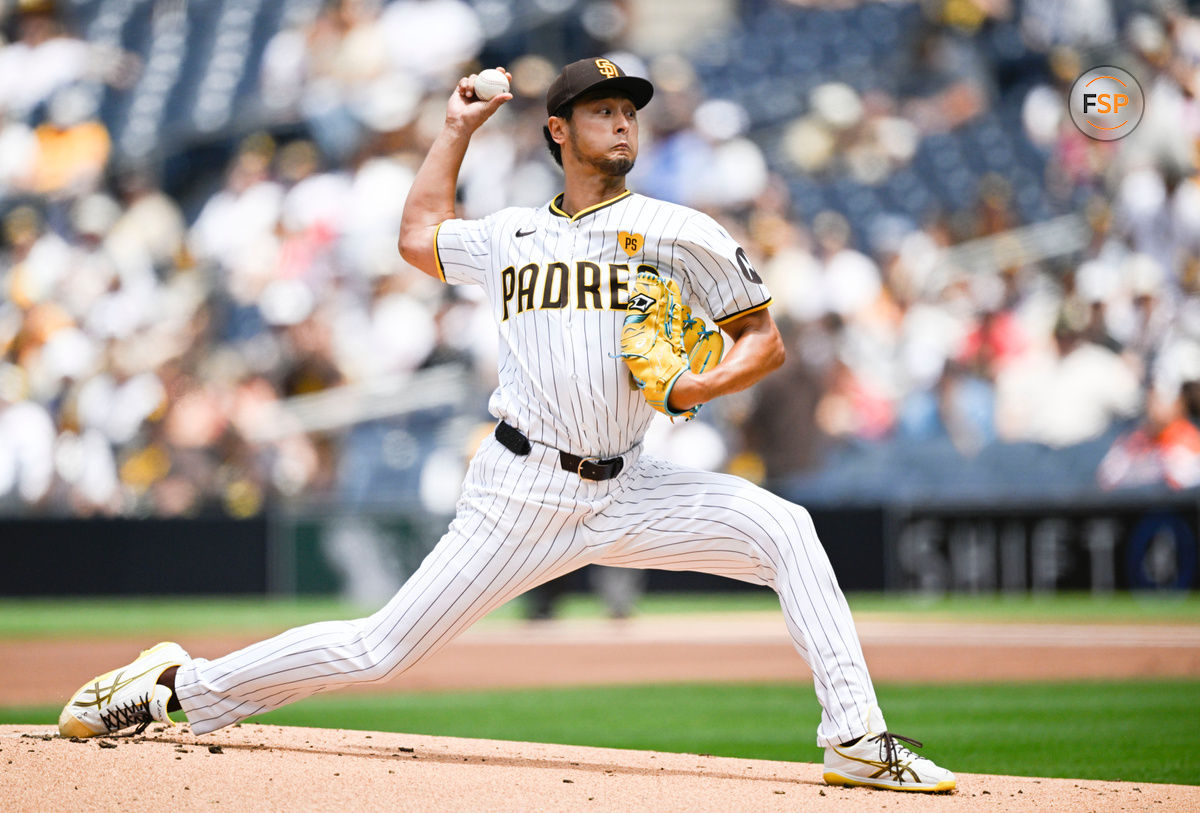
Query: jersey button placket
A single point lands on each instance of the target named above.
(569, 337)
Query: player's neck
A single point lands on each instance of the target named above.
(581, 193)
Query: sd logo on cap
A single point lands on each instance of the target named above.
(587, 75)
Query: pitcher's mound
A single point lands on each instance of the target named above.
(256, 767)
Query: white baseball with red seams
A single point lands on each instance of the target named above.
(557, 287)
(488, 83)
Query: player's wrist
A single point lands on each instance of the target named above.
(687, 392)
(456, 128)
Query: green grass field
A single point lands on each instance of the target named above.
(42, 618)
(1142, 731)
(1138, 731)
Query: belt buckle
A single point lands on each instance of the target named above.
(579, 468)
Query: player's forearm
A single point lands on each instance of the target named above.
(431, 197)
(757, 350)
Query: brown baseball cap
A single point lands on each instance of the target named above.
(586, 75)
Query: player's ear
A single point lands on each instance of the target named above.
(557, 127)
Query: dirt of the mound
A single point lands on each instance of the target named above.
(252, 767)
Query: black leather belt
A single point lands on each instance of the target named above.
(589, 468)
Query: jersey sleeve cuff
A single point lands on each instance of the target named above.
(724, 320)
(437, 254)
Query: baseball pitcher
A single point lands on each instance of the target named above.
(595, 297)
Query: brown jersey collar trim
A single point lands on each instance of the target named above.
(556, 205)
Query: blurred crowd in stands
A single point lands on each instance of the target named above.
(151, 341)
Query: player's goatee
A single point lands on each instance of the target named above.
(615, 166)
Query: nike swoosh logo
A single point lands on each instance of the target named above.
(525, 232)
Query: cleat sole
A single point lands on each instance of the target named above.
(941, 787)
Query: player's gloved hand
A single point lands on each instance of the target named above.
(656, 338)
(703, 347)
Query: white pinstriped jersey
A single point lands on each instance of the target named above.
(558, 287)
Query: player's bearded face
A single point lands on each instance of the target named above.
(603, 133)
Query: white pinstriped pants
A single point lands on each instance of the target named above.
(524, 520)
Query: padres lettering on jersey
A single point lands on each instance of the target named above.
(581, 285)
(558, 286)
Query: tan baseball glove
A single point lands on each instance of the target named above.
(660, 339)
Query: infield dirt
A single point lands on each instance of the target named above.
(693, 647)
(253, 767)
(256, 768)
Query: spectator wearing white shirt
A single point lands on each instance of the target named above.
(26, 442)
(1067, 394)
(236, 219)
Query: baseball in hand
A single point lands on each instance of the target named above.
(489, 82)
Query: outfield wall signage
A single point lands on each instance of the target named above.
(1044, 548)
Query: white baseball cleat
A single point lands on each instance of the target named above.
(880, 760)
(129, 696)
